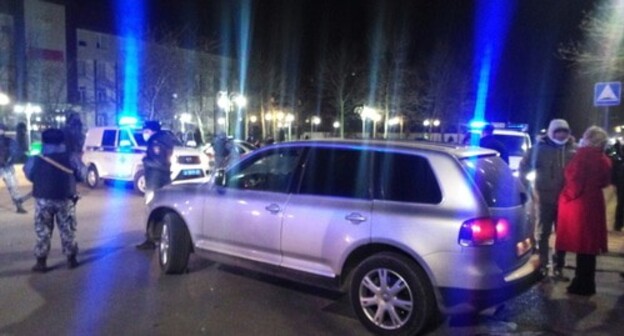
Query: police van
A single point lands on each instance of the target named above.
(513, 136)
(115, 153)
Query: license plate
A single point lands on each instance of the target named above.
(192, 172)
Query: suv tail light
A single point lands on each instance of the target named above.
(483, 231)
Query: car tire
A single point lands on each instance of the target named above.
(93, 177)
(139, 182)
(174, 246)
(383, 310)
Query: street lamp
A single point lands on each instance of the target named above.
(315, 121)
(368, 113)
(184, 118)
(289, 118)
(4, 99)
(28, 111)
(430, 123)
(227, 101)
(398, 120)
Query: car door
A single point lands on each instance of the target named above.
(107, 158)
(243, 217)
(330, 213)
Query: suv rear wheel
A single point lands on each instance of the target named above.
(390, 295)
(93, 177)
(174, 247)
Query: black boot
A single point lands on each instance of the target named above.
(20, 207)
(72, 262)
(40, 266)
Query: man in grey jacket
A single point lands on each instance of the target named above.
(547, 159)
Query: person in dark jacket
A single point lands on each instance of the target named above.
(8, 153)
(581, 222)
(74, 135)
(54, 174)
(489, 141)
(156, 166)
(547, 159)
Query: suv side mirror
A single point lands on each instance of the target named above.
(220, 177)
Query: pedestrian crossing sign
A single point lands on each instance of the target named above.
(607, 93)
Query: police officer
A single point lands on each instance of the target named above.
(9, 152)
(489, 141)
(156, 166)
(54, 174)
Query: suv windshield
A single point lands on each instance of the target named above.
(138, 137)
(494, 180)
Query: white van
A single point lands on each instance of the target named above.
(116, 153)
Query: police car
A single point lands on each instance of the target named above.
(513, 136)
(116, 153)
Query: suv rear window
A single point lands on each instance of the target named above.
(405, 178)
(494, 180)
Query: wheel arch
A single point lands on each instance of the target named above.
(362, 252)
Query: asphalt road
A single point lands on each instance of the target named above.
(118, 290)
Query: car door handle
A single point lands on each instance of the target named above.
(355, 218)
(273, 208)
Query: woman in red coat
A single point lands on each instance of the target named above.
(581, 221)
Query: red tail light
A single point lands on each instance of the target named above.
(483, 231)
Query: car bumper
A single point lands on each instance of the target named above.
(461, 301)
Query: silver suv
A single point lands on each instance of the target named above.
(407, 229)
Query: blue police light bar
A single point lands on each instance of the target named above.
(128, 121)
(477, 124)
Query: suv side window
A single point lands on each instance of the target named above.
(405, 178)
(271, 171)
(108, 138)
(339, 172)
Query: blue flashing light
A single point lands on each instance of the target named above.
(131, 25)
(477, 124)
(128, 121)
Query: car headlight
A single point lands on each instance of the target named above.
(531, 176)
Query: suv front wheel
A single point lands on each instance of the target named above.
(390, 295)
(174, 247)
(139, 182)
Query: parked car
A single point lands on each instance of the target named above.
(116, 153)
(240, 148)
(407, 229)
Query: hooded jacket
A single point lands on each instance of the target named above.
(548, 160)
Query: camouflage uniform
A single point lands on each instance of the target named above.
(8, 151)
(46, 212)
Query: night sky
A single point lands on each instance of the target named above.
(531, 84)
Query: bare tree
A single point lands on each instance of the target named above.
(602, 50)
(343, 83)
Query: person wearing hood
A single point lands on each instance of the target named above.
(54, 174)
(8, 154)
(581, 221)
(547, 159)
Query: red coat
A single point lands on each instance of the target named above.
(581, 221)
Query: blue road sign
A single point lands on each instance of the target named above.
(607, 93)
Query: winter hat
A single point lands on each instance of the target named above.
(557, 125)
(52, 136)
(152, 125)
(594, 137)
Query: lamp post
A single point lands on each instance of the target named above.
(184, 119)
(398, 120)
(289, 118)
(227, 101)
(336, 126)
(368, 113)
(28, 110)
(430, 123)
(314, 122)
